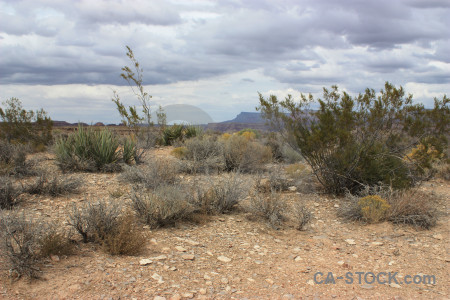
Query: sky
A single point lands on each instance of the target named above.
(66, 55)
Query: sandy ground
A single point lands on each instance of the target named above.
(232, 257)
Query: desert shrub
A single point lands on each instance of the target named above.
(23, 126)
(276, 180)
(94, 221)
(127, 239)
(9, 194)
(157, 171)
(88, 150)
(191, 131)
(13, 160)
(179, 152)
(350, 142)
(413, 208)
(244, 155)
(290, 155)
(53, 185)
(106, 224)
(220, 196)
(302, 215)
(269, 207)
(53, 241)
(18, 243)
(203, 154)
(373, 208)
(164, 206)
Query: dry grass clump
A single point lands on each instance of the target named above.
(244, 154)
(164, 206)
(158, 171)
(9, 193)
(54, 185)
(202, 154)
(13, 160)
(105, 223)
(52, 241)
(302, 216)
(269, 207)
(414, 208)
(397, 206)
(221, 196)
(19, 245)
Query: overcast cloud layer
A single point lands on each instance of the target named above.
(66, 56)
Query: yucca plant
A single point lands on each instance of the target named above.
(129, 150)
(87, 150)
(172, 133)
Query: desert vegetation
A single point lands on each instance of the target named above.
(370, 153)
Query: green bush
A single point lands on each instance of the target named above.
(179, 132)
(350, 142)
(19, 125)
(92, 150)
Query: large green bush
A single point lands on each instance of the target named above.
(351, 142)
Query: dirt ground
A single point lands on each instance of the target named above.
(232, 257)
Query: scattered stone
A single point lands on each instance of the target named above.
(180, 249)
(202, 291)
(297, 249)
(188, 256)
(310, 282)
(270, 281)
(157, 277)
(438, 236)
(259, 262)
(341, 262)
(336, 205)
(188, 295)
(160, 257)
(394, 285)
(176, 297)
(292, 188)
(391, 262)
(54, 257)
(224, 259)
(224, 280)
(145, 261)
(350, 241)
(377, 243)
(367, 286)
(316, 204)
(159, 298)
(206, 277)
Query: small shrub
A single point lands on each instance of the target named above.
(290, 155)
(164, 206)
(221, 196)
(117, 193)
(54, 185)
(54, 242)
(9, 194)
(13, 160)
(158, 171)
(302, 216)
(373, 208)
(179, 152)
(95, 221)
(127, 239)
(413, 208)
(203, 155)
(18, 243)
(244, 155)
(171, 134)
(269, 207)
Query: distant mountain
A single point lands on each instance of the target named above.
(247, 117)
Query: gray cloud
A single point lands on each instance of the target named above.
(308, 43)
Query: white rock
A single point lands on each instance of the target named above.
(438, 236)
(160, 257)
(188, 256)
(292, 188)
(298, 258)
(341, 262)
(224, 259)
(310, 282)
(180, 249)
(145, 261)
(159, 298)
(377, 243)
(350, 241)
(394, 285)
(157, 277)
